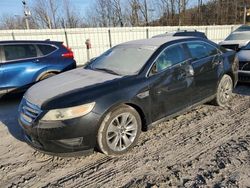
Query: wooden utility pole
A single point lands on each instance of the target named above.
(199, 12)
(245, 13)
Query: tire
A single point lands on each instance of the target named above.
(47, 75)
(224, 91)
(119, 131)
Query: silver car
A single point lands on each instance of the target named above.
(240, 42)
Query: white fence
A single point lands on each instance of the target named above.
(104, 38)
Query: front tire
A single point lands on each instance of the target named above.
(119, 131)
(224, 91)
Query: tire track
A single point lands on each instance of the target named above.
(106, 173)
(170, 153)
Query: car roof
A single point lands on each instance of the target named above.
(28, 41)
(183, 31)
(190, 33)
(154, 42)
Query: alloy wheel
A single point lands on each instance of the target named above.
(122, 131)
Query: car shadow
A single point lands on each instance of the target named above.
(8, 115)
(242, 89)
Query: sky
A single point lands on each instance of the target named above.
(15, 6)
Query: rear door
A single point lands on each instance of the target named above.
(18, 64)
(205, 61)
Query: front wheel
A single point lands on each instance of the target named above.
(224, 91)
(119, 131)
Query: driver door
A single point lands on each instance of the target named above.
(1, 67)
(171, 86)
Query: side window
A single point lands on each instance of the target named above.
(201, 50)
(46, 49)
(169, 57)
(212, 50)
(19, 51)
(1, 55)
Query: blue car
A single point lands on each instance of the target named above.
(23, 63)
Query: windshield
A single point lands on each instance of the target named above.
(243, 28)
(239, 36)
(123, 60)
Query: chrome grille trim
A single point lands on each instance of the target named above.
(28, 112)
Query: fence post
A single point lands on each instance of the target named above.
(66, 38)
(206, 30)
(110, 39)
(232, 29)
(147, 33)
(13, 36)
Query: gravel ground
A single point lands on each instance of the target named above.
(206, 147)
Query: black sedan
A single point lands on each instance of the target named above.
(127, 89)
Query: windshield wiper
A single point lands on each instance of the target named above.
(107, 70)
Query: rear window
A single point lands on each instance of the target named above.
(201, 50)
(239, 36)
(46, 49)
(20, 51)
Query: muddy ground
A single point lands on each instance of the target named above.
(206, 147)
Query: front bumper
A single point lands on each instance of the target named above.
(244, 76)
(63, 137)
(5, 91)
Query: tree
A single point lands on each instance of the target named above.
(71, 18)
(46, 13)
(8, 21)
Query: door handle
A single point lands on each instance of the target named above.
(158, 92)
(183, 75)
(217, 62)
(36, 60)
(189, 71)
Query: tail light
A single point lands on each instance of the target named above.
(69, 53)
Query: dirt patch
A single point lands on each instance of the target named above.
(206, 147)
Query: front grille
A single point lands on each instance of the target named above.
(244, 78)
(244, 65)
(28, 112)
(234, 47)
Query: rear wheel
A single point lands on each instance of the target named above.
(47, 75)
(119, 131)
(224, 91)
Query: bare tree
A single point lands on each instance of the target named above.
(72, 18)
(134, 11)
(118, 12)
(15, 22)
(46, 12)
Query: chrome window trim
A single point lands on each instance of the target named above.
(179, 43)
(38, 57)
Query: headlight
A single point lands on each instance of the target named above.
(68, 113)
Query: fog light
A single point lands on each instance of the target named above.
(72, 141)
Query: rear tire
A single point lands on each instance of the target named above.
(119, 131)
(47, 75)
(224, 91)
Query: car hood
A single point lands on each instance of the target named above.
(241, 43)
(66, 82)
